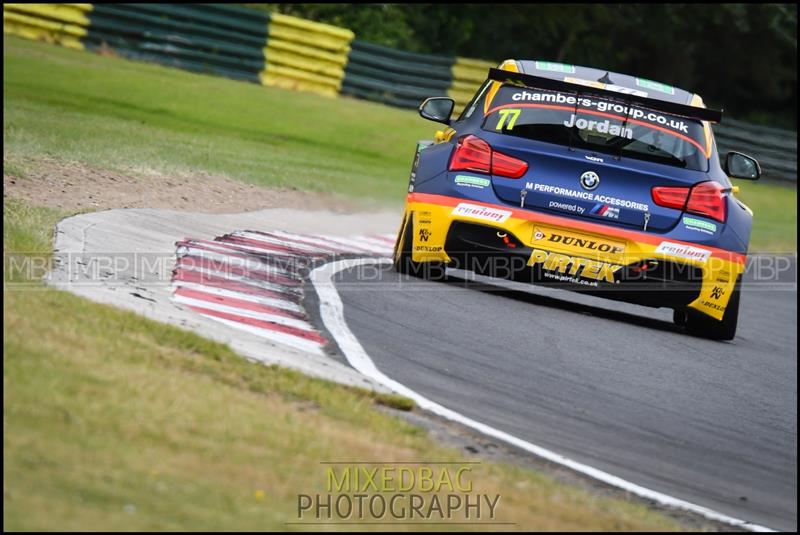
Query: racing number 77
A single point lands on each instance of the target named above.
(504, 114)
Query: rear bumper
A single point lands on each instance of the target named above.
(624, 265)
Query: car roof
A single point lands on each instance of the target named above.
(565, 71)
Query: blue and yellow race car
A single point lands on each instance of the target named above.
(592, 180)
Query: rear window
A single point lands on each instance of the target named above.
(599, 125)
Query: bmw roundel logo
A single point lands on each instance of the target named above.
(590, 180)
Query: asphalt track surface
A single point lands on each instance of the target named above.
(611, 385)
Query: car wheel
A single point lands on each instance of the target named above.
(701, 325)
(402, 256)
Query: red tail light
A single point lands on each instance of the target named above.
(474, 154)
(670, 197)
(508, 166)
(706, 198)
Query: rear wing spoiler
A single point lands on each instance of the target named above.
(540, 82)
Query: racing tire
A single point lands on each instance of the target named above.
(402, 257)
(701, 325)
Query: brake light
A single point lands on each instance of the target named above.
(670, 197)
(706, 198)
(507, 166)
(474, 154)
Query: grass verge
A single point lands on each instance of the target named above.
(27, 235)
(110, 113)
(118, 422)
(774, 208)
(116, 114)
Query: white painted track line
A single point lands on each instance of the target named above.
(332, 312)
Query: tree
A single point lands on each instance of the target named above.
(741, 57)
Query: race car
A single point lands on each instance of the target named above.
(587, 179)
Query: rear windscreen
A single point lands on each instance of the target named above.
(599, 125)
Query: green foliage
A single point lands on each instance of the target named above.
(740, 57)
(377, 23)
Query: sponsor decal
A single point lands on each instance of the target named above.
(574, 266)
(424, 234)
(605, 210)
(602, 106)
(555, 67)
(566, 206)
(683, 251)
(655, 86)
(711, 305)
(717, 292)
(477, 211)
(601, 127)
(472, 181)
(567, 278)
(427, 249)
(580, 242)
(593, 158)
(590, 196)
(699, 225)
(590, 180)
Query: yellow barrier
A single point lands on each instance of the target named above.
(299, 80)
(62, 24)
(305, 55)
(299, 54)
(468, 75)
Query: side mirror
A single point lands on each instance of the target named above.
(438, 109)
(738, 165)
